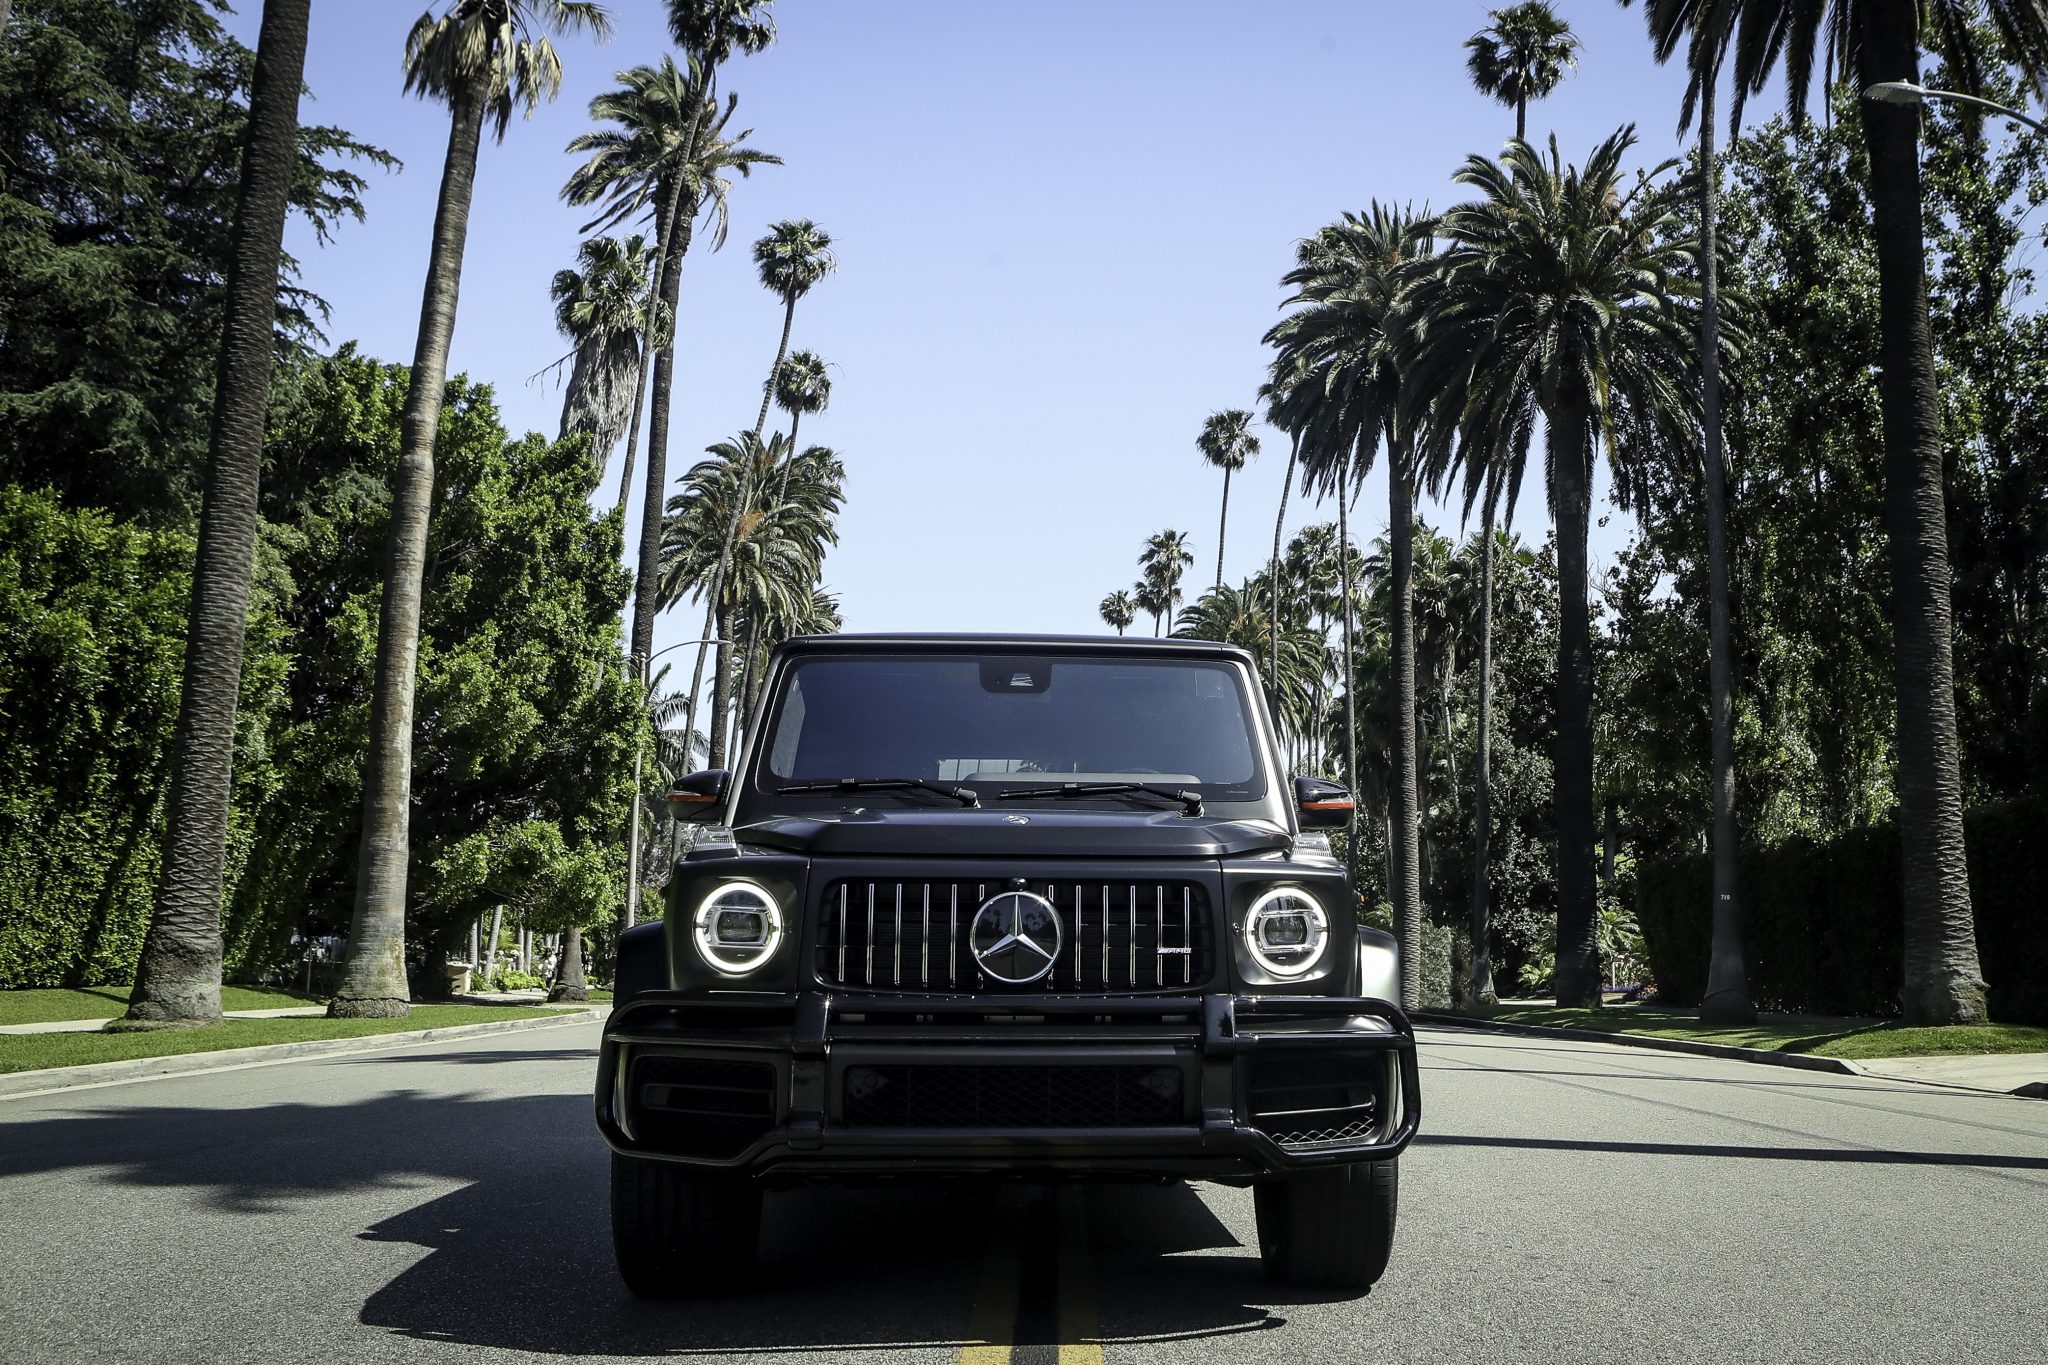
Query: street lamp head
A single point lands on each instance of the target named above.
(1896, 92)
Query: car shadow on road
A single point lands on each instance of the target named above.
(518, 1252)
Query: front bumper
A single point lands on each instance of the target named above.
(1224, 1087)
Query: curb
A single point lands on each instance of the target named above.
(23, 1084)
(1837, 1065)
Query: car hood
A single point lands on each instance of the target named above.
(1015, 833)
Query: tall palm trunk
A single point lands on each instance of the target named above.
(647, 579)
(1222, 526)
(178, 978)
(1727, 998)
(1279, 524)
(650, 341)
(1578, 969)
(721, 687)
(775, 372)
(721, 684)
(1350, 675)
(1481, 912)
(373, 984)
(1404, 854)
(1943, 980)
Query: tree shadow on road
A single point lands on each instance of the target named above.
(519, 1253)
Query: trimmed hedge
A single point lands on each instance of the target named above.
(1824, 931)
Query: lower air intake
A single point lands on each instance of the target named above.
(696, 1107)
(1012, 1097)
(1307, 1103)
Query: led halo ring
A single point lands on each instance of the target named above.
(1287, 959)
(740, 954)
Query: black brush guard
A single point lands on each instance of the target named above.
(788, 1082)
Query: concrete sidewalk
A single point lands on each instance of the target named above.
(2008, 1073)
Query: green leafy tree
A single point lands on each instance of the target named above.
(124, 127)
(483, 59)
(1226, 443)
(178, 980)
(1870, 42)
(1521, 55)
(1559, 294)
(523, 713)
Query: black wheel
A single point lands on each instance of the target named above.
(1328, 1229)
(678, 1231)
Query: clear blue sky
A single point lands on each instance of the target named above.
(1061, 227)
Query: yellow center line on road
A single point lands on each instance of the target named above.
(992, 1323)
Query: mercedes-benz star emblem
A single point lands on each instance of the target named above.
(1016, 937)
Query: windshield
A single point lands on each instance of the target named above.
(1007, 722)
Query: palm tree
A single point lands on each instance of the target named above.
(1521, 55)
(1243, 616)
(791, 258)
(669, 155)
(1727, 996)
(1226, 443)
(1870, 42)
(484, 58)
(1341, 341)
(1166, 557)
(1150, 597)
(1561, 295)
(802, 387)
(602, 308)
(777, 552)
(1118, 611)
(177, 980)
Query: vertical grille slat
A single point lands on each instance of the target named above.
(1112, 936)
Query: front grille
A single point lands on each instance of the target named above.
(1012, 1096)
(693, 1106)
(1315, 1102)
(1116, 937)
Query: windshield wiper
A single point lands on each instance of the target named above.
(964, 795)
(1190, 802)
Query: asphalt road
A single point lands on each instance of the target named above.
(1568, 1202)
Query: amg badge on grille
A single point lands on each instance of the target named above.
(1016, 937)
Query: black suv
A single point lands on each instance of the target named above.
(1041, 908)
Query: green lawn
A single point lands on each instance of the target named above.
(111, 1002)
(1818, 1037)
(33, 1051)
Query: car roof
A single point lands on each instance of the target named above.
(1013, 644)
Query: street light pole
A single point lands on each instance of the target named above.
(639, 761)
(1905, 92)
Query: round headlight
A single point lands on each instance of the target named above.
(1286, 931)
(738, 927)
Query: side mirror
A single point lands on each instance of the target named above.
(696, 798)
(1322, 805)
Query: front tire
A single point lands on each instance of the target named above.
(678, 1232)
(1331, 1228)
